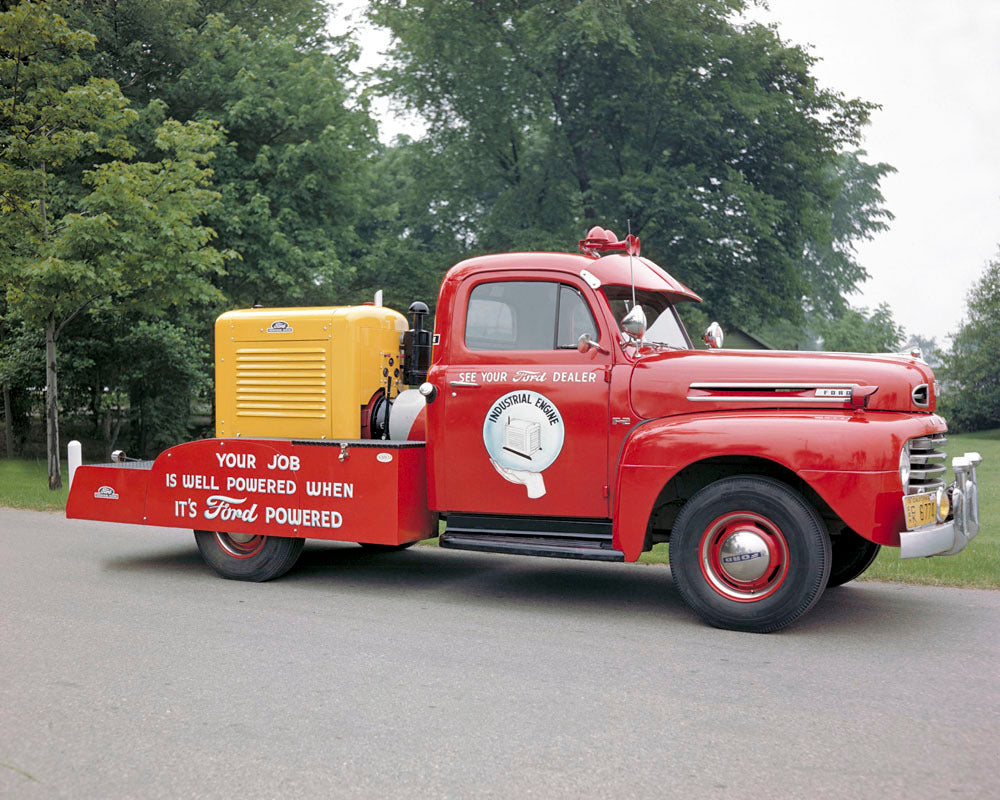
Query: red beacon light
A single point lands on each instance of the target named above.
(599, 240)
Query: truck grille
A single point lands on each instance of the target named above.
(926, 463)
(285, 382)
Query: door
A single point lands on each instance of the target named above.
(526, 413)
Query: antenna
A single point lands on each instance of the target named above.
(631, 274)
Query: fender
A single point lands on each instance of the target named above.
(810, 445)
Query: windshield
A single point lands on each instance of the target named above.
(664, 326)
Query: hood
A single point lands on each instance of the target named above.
(685, 382)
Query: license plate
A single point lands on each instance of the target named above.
(920, 510)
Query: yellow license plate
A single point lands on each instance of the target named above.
(920, 509)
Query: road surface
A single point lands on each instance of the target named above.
(127, 669)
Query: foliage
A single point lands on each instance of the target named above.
(929, 350)
(857, 215)
(971, 399)
(108, 357)
(710, 135)
(292, 172)
(121, 232)
(409, 246)
(855, 330)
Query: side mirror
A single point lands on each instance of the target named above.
(713, 336)
(585, 344)
(634, 323)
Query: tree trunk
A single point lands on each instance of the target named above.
(8, 421)
(52, 406)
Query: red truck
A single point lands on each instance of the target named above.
(557, 409)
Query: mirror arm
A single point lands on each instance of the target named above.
(585, 344)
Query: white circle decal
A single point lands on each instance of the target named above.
(385, 458)
(523, 433)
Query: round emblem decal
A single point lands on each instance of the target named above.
(385, 458)
(523, 433)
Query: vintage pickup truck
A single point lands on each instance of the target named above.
(557, 409)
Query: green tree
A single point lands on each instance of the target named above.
(710, 135)
(929, 349)
(292, 174)
(293, 169)
(121, 232)
(971, 399)
(855, 330)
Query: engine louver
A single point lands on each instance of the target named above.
(288, 382)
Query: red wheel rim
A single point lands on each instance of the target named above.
(743, 556)
(240, 545)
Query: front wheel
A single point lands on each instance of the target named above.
(749, 554)
(248, 557)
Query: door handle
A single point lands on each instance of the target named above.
(464, 384)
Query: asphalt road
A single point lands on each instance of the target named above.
(128, 669)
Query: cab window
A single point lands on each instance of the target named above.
(663, 324)
(526, 315)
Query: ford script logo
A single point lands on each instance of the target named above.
(279, 326)
(741, 557)
(106, 493)
(385, 458)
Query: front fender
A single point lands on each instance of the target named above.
(850, 459)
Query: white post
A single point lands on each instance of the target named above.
(378, 299)
(74, 453)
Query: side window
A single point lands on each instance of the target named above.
(575, 318)
(526, 315)
(511, 315)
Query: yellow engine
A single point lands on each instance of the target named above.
(304, 373)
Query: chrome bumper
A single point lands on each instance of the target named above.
(951, 537)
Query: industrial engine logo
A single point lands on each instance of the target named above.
(279, 326)
(523, 433)
(106, 493)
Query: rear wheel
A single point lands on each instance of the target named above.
(852, 555)
(248, 557)
(749, 554)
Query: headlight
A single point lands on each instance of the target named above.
(904, 465)
(943, 504)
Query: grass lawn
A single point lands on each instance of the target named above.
(25, 484)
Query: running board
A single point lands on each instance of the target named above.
(531, 536)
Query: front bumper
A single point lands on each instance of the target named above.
(950, 537)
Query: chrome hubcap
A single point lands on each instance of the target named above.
(240, 545)
(743, 556)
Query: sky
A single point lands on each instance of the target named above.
(934, 67)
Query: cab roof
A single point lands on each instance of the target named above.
(609, 269)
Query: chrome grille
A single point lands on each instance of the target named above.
(927, 463)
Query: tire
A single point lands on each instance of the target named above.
(245, 557)
(385, 548)
(749, 554)
(852, 555)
